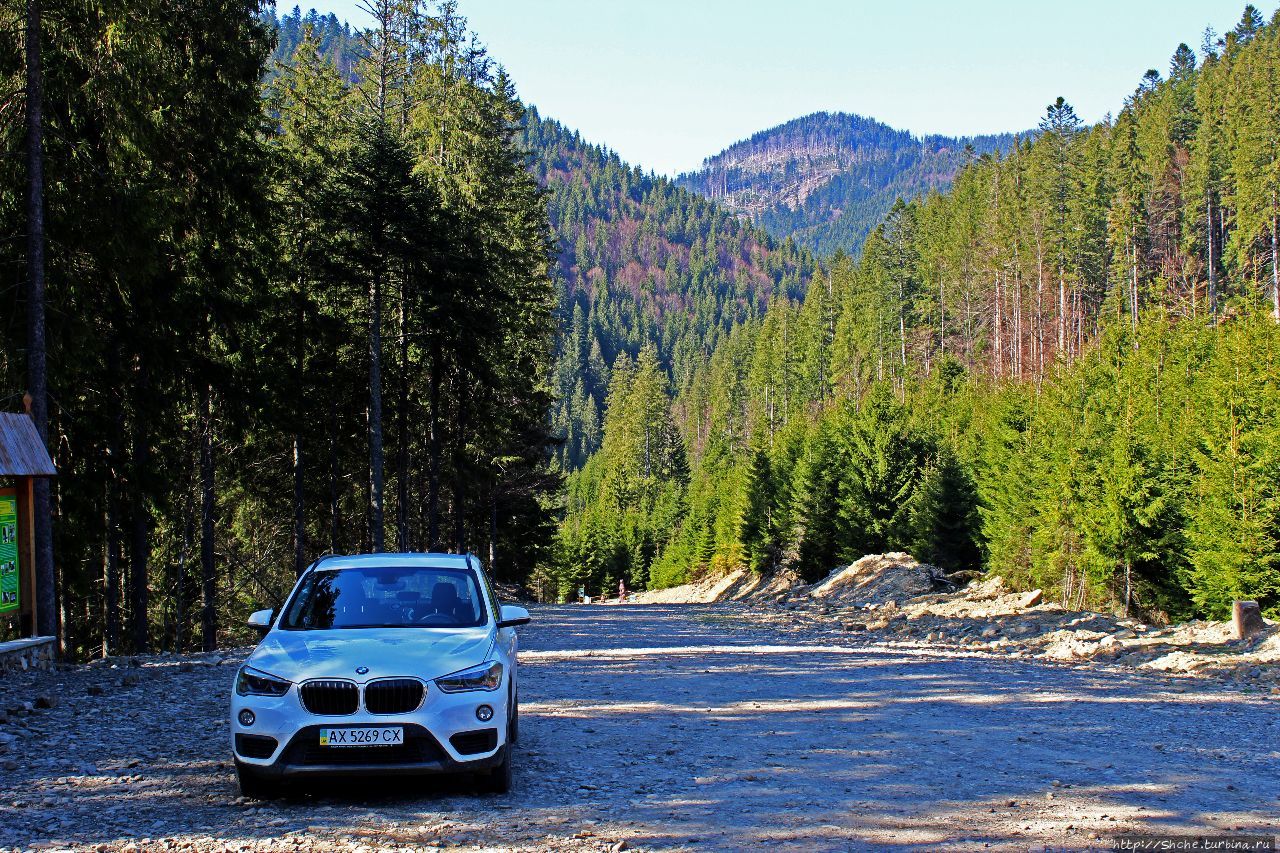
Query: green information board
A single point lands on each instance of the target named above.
(9, 586)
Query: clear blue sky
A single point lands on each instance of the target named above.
(668, 82)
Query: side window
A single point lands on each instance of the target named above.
(292, 618)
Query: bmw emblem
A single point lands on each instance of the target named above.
(362, 670)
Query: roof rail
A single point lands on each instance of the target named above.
(328, 555)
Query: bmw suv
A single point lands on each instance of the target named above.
(380, 664)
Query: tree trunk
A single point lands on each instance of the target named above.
(46, 604)
(493, 530)
(1133, 257)
(333, 476)
(1017, 318)
(997, 367)
(1211, 262)
(1275, 268)
(460, 480)
(110, 575)
(208, 579)
(111, 567)
(182, 593)
(376, 533)
(433, 438)
(1038, 331)
(299, 465)
(402, 434)
(140, 544)
(111, 513)
(138, 554)
(901, 327)
(942, 318)
(1062, 312)
(1128, 586)
(299, 509)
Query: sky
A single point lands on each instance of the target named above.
(666, 83)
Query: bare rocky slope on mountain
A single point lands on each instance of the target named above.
(827, 179)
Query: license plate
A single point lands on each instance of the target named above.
(371, 736)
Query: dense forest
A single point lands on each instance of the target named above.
(328, 321)
(323, 321)
(1064, 370)
(826, 180)
(637, 260)
(641, 263)
(334, 40)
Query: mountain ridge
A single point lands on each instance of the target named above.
(827, 178)
(824, 179)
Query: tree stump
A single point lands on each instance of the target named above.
(1246, 619)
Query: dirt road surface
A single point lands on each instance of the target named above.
(674, 728)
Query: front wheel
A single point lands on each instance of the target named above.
(513, 725)
(498, 779)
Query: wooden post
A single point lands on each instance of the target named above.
(27, 553)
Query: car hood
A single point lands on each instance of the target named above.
(423, 652)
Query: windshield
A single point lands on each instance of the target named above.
(386, 597)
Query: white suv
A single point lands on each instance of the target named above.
(380, 664)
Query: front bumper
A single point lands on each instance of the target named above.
(443, 735)
(421, 755)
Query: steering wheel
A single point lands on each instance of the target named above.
(428, 617)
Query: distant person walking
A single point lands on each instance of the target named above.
(622, 590)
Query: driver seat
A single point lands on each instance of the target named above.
(444, 599)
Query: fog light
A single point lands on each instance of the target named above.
(484, 713)
(247, 718)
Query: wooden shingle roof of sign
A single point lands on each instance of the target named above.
(22, 453)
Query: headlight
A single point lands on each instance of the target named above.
(486, 676)
(254, 682)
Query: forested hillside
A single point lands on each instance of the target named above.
(336, 41)
(1064, 370)
(640, 262)
(333, 323)
(827, 179)
(637, 260)
(322, 322)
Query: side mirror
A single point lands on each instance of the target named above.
(260, 620)
(512, 616)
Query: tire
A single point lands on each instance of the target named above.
(498, 779)
(255, 787)
(513, 725)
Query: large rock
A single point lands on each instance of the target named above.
(1031, 599)
(1246, 619)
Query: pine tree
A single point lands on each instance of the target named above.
(758, 519)
(944, 526)
(884, 458)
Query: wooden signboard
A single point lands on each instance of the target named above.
(10, 563)
(17, 577)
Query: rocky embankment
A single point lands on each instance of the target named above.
(896, 597)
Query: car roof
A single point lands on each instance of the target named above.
(425, 561)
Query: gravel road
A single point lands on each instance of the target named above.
(678, 727)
